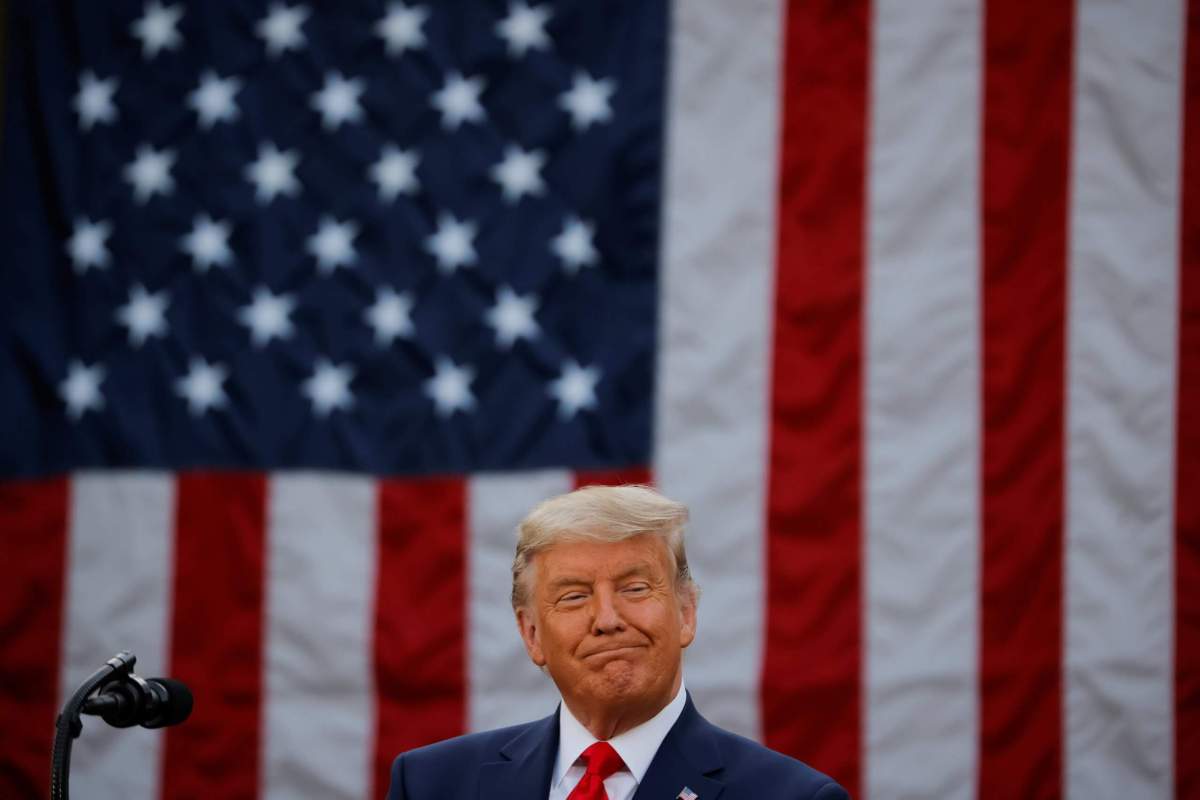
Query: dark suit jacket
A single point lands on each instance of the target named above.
(515, 764)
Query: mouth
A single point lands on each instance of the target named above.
(614, 652)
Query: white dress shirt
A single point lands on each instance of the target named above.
(636, 747)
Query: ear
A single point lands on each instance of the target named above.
(531, 635)
(687, 615)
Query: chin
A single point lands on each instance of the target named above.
(620, 680)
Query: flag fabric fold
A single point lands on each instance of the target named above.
(305, 305)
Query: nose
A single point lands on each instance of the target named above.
(606, 618)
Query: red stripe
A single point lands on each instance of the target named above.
(1026, 145)
(614, 477)
(811, 673)
(420, 617)
(33, 518)
(217, 634)
(1187, 479)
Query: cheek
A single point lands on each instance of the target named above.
(655, 619)
(564, 632)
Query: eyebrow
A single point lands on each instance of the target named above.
(640, 568)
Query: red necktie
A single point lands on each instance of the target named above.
(601, 761)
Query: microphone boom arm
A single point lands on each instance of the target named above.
(69, 725)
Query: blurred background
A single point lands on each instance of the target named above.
(305, 304)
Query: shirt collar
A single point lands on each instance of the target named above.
(636, 746)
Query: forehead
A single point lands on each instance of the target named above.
(592, 559)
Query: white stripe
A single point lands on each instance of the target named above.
(120, 567)
(921, 401)
(717, 277)
(505, 686)
(1121, 390)
(319, 711)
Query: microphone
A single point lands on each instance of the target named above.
(134, 700)
(122, 699)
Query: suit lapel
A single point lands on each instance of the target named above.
(687, 758)
(527, 761)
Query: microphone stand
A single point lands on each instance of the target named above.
(69, 725)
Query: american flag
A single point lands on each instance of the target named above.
(306, 304)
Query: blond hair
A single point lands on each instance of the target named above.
(602, 514)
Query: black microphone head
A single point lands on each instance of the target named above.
(175, 702)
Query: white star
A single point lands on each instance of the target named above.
(207, 243)
(587, 100)
(329, 387)
(144, 315)
(575, 388)
(86, 247)
(573, 245)
(80, 390)
(333, 244)
(273, 173)
(94, 101)
(450, 388)
(452, 244)
(395, 172)
(267, 316)
(201, 387)
(213, 100)
(280, 29)
(390, 316)
(458, 100)
(150, 172)
(337, 101)
(400, 28)
(520, 173)
(524, 28)
(156, 28)
(512, 317)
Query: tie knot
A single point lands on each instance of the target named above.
(602, 760)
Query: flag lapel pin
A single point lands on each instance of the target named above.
(686, 794)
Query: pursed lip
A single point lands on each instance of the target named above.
(615, 650)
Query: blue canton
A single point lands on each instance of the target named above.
(392, 237)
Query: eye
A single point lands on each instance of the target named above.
(572, 597)
(636, 589)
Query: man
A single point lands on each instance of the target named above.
(605, 604)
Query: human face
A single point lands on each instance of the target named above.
(605, 620)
